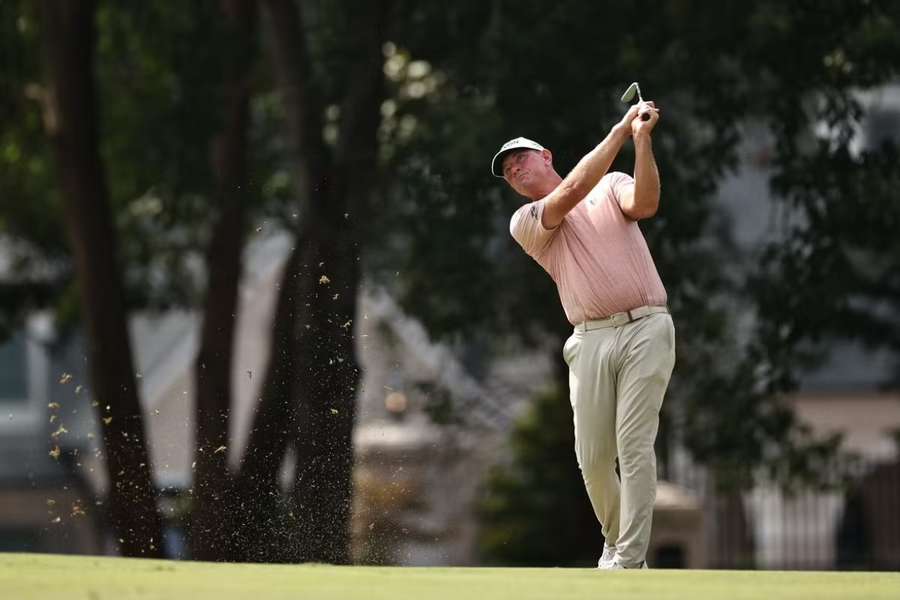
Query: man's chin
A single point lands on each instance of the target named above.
(525, 191)
(530, 192)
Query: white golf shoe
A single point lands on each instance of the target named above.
(608, 559)
(616, 565)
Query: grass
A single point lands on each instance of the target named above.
(48, 577)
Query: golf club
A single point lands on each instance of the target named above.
(628, 96)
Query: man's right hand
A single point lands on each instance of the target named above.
(625, 123)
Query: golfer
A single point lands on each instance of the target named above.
(583, 230)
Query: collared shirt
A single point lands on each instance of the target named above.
(597, 256)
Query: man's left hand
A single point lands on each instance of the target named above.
(640, 127)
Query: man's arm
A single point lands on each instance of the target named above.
(586, 173)
(642, 201)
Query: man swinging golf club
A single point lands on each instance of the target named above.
(582, 229)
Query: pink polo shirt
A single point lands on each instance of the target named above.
(597, 256)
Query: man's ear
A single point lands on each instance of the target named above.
(548, 156)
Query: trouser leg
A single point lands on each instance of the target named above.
(592, 394)
(647, 355)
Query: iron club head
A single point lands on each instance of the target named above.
(633, 89)
(628, 96)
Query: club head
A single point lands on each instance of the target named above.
(629, 94)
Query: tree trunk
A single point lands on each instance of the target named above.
(303, 108)
(257, 491)
(68, 39)
(326, 369)
(328, 374)
(261, 527)
(212, 482)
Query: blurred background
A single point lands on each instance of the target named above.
(259, 302)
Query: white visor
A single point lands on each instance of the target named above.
(513, 144)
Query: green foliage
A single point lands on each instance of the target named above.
(160, 71)
(463, 78)
(160, 99)
(32, 241)
(555, 73)
(830, 273)
(535, 510)
(562, 90)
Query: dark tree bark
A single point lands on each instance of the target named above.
(337, 185)
(257, 490)
(303, 108)
(329, 371)
(212, 482)
(69, 39)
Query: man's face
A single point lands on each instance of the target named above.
(524, 171)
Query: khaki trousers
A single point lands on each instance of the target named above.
(617, 378)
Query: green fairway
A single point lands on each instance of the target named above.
(45, 577)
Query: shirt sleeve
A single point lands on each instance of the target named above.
(528, 230)
(619, 183)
